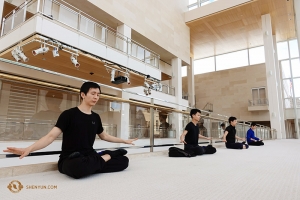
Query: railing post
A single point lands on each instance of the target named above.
(105, 35)
(151, 126)
(25, 10)
(3, 24)
(13, 20)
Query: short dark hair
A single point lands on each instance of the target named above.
(231, 119)
(222, 125)
(194, 111)
(87, 86)
(253, 124)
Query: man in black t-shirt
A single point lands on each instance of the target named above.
(191, 135)
(230, 136)
(80, 125)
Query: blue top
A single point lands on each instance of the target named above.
(250, 134)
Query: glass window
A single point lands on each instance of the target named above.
(183, 71)
(205, 2)
(193, 7)
(296, 67)
(257, 55)
(282, 50)
(287, 88)
(297, 87)
(192, 2)
(285, 69)
(294, 51)
(204, 65)
(288, 103)
(232, 60)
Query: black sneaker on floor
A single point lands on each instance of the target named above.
(116, 153)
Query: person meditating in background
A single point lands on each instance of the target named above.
(251, 139)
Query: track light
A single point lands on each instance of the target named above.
(149, 91)
(112, 75)
(74, 61)
(18, 54)
(147, 85)
(55, 52)
(40, 50)
(127, 77)
(21, 54)
(146, 91)
(15, 55)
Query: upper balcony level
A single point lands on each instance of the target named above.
(97, 48)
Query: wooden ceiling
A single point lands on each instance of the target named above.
(240, 27)
(90, 68)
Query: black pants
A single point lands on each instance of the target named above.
(91, 164)
(235, 145)
(198, 150)
(258, 143)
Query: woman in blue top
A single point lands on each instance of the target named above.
(251, 139)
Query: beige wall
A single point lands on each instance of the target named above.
(160, 21)
(230, 90)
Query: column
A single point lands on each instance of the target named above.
(297, 24)
(279, 89)
(191, 83)
(177, 84)
(120, 42)
(273, 93)
(1, 10)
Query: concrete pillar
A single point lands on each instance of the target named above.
(120, 42)
(297, 23)
(273, 93)
(279, 89)
(191, 83)
(1, 11)
(177, 84)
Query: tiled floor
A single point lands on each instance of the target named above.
(268, 172)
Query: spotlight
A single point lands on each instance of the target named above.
(18, 50)
(74, 61)
(127, 77)
(146, 91)
(112, 75)
(147, 85)
(15, 55)
(40, 50)
(55, 52)
(149, 91)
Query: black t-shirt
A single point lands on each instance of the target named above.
(193, 133)
(79, 131)
(230, 138)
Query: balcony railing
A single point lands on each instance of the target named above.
(258, 102)
(82, 22)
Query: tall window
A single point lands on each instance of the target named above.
(288, 54)
(259, 96)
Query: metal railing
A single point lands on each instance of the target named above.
(82, 22)
(28, 129)
(258, 102)
(168, 90)
(144, 132)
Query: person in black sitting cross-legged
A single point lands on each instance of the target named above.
(230, 136)
(191, 135)
(80, 125)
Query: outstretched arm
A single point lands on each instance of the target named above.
(40, 144)
(203, 137)
(182, 137)
(109, 138)
(224, 136)
(237, 137)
